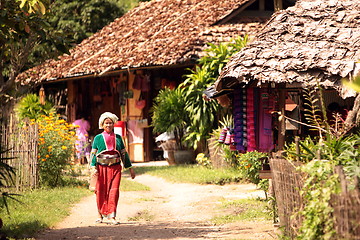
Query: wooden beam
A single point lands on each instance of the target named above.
(261, 5)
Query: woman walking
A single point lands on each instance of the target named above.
(108, 154)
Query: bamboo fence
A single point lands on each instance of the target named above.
(20, 143)
(346, 207)
(287, 183)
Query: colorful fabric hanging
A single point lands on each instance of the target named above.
(250, 115)
(222, 135)
(239, 119)
(265, 121)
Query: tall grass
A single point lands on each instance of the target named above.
(193, 174)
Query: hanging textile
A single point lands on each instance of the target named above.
(136, 134)
(250, 120)
(239, 114)
(265, 121)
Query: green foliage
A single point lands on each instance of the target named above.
(320, 156)
(313, 112)
(55, 148)
(355, 84)
(74, 21)
(203, 160)
(341, 151)
(321, 182)
(83, 18)
(249, 164)
(184, 109)
(31, 108)
(23, 26)
(318, 187)
(7, 174)
(129, 4)
(308, 148)
(202, 112)
(169, 114)
(228, 155)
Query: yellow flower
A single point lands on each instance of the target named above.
(64, 147)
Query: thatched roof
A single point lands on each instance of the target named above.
(316, 40)
(157, 33)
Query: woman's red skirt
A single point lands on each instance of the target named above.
(107, 189)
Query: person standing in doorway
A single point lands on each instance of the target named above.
(82, 145)
(108, 157)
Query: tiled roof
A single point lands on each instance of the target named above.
(316, 40)
(157, 33)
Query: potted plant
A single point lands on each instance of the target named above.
(169, 115)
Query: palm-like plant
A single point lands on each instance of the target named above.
(7, 174)
(169, 114)
(30, 107)
(202, 112)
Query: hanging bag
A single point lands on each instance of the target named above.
(140, 103)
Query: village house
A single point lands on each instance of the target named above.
(313, 43)
(122, 67)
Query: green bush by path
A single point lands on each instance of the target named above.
(193, 174)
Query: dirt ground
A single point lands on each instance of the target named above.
(168, 211)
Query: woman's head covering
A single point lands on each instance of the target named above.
(106, 115)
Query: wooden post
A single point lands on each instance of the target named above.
(278, 5)
(262, 5)
(71, 114)
(297, 147)
(281, 127)
(339, 170)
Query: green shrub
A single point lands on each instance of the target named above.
(56, 148)
(249, 164)
(203, 160)
(31, 108)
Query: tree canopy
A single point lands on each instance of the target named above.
(32, 31)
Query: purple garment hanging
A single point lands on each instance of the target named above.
(265, 123)
(251, 141)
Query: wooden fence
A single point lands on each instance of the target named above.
(346, 207)
(287, 183)
(20, 143)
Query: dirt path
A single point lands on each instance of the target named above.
(168, 211)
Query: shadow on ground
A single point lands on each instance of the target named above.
(134, 230)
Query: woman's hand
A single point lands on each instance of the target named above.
(132, 173)
(93, 171)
